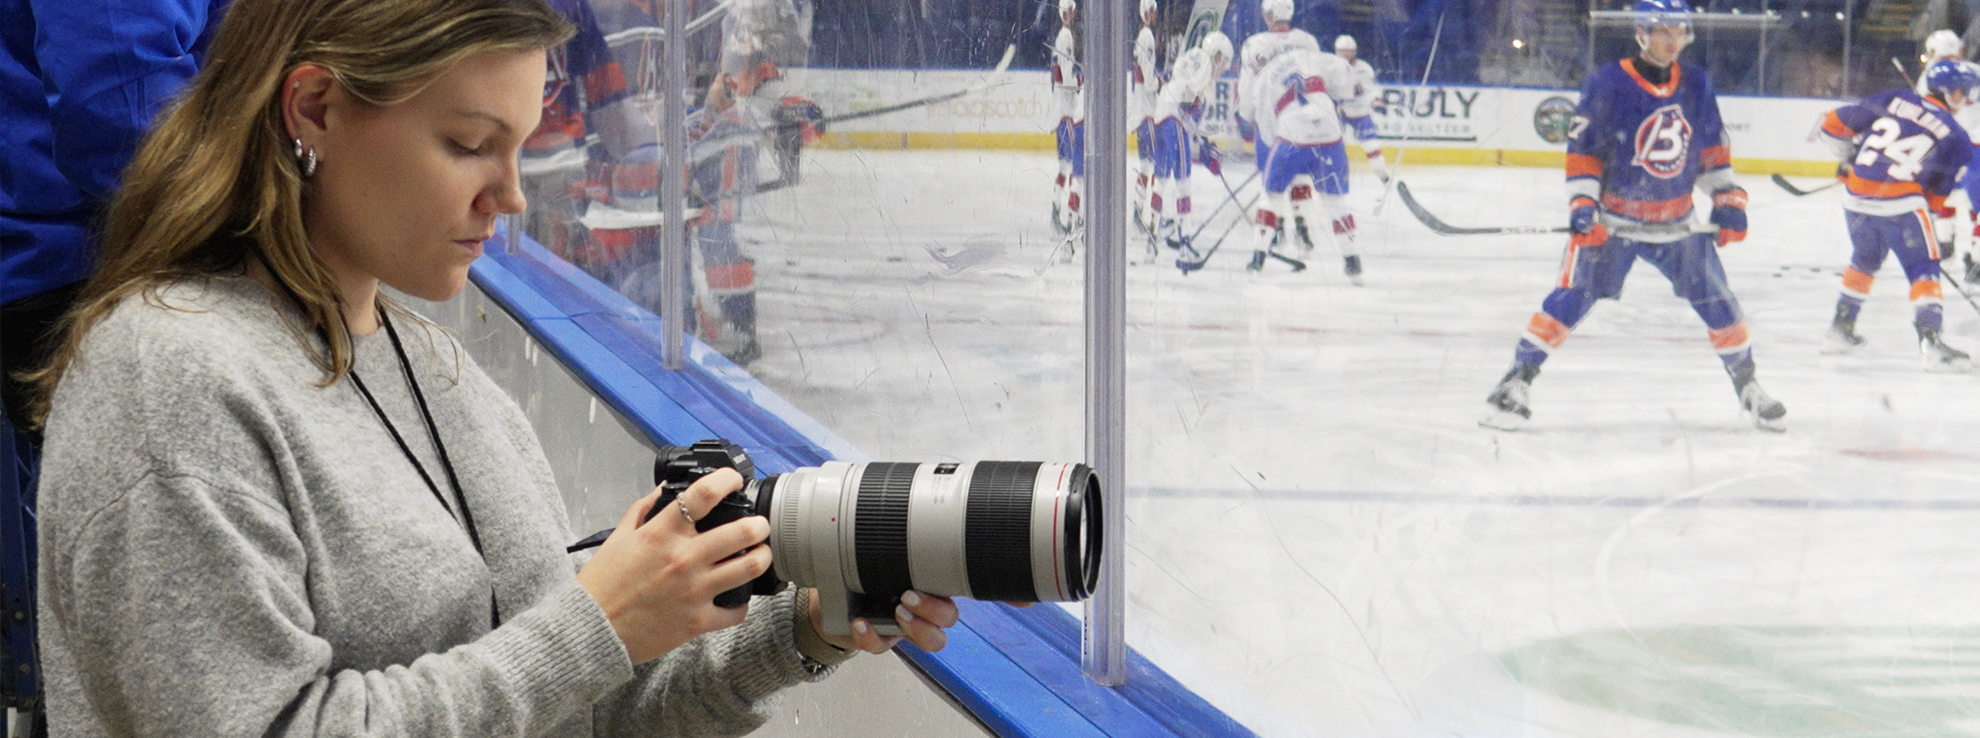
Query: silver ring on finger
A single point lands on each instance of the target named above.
(685, 515)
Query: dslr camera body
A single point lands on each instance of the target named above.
(864, 533)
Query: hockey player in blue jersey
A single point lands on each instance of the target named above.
(1646, 133)
(1903, 153)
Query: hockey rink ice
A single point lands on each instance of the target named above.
(1322, 540)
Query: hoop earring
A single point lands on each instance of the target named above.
(306, 158)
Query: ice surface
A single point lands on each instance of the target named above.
(1323, 542)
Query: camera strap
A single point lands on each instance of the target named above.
(466, 516)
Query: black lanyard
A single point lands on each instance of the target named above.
(466, 516)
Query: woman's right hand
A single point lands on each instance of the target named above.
(657, 582)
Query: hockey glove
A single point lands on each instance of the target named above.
(1581, 215)
(1213, 159)
(1581, 220)
(1729, 214)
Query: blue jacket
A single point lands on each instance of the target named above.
(80, 80)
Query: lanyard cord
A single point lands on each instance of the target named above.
(432, 431)
(433, 434)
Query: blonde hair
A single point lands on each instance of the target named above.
(216, 180)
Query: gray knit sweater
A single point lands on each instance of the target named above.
(229, 549)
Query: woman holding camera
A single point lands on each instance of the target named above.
(276, 503)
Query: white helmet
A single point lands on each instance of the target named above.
(1192, 73)
(1067, 6)
(1147, 6)
(1344, 42)
(1943, 44)
(1218, 45)
(1276, 11)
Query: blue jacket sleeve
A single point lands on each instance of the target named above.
(108, 67)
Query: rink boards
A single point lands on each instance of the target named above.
(1434, 124)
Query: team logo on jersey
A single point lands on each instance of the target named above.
(1662, 141)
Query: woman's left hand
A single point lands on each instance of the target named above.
(921, 617)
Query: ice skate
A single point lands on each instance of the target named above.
(745, 353)
(1305, 238)
(1172, 235)
(1507, 408)
(1767, 413)
(1351, 266)
(1841, 338)
(1059, 222)
(1938, 357)
(1972, 269)
(1257, 262)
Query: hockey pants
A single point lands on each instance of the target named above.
(1592, 273)
(1309, 183)
(1909, 236)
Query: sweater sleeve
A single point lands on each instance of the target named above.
(718, 684)
(184, 606)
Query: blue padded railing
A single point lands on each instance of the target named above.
(1015, 669)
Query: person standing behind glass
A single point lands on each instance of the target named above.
(276, 503)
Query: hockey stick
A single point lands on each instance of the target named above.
(1189, 266)
(1065, 244)
(1228, 199)
(1797, 191)
(1446, 229)
(996, 76)
(1957, 287)
(1297, 265)
(1395, 172)
(1903, 73)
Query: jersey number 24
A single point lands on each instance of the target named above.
(1907, 154)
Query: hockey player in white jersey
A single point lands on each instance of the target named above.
(1178, 110)
(1259, 50)
(1364, 125)
(1942, 44)
(1144, 84)
(1068, 95)
(1306, 173)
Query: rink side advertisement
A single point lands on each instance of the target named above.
(1434, 124)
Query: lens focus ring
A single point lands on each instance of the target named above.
(880, 527)
(997, 530)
